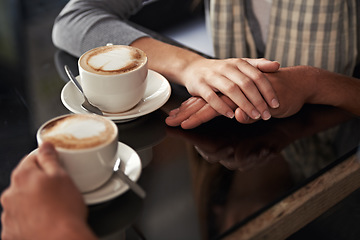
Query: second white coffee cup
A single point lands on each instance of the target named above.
(87, 147)
(113, 77)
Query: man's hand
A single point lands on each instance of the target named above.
(43, 201)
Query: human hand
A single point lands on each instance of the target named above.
(241, 80)
(42, 200)
(292, 86)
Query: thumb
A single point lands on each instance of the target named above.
(48, 158)
(264, 65)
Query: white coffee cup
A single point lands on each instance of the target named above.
(87, 147)
(113, 77)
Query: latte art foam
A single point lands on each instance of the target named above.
(115, 59)
(78, 132)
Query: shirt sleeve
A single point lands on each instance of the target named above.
(86, 24)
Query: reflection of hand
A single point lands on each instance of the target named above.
(243, 155)
(243, 147)
(290, 85)
(234, 146)
(241, 80)
(42, 201)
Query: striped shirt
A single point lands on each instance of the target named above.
(318, 33)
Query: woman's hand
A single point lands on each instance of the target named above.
(241, 80)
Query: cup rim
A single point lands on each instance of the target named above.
(115, 135)
(118, 74)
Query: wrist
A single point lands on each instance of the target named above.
(312, 78)
(310, 81)
(168, 60)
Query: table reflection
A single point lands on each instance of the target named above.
(110, 220)
(240, 170)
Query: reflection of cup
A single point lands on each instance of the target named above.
(86, 145)
(110, 220)
(113, 77)
(143, 134)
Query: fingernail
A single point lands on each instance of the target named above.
(230, 114)
(275, 103)
(173, 112)
(255, 114)
(266, 115)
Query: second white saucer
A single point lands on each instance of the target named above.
(130, 165)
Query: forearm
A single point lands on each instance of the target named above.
(336, 90)
(166, 59)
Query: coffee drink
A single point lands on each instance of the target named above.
(78, 131)
(86, 145)
(113, 77)
(113, 59)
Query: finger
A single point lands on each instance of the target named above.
(242, 117)
(261, 82)
(25, 169)
(28, 161)
(4, 197)
(263, 64)
(48, 159)
(236, 85)
(205, 114)
(5, 225)
(187, 108)
(208, 94)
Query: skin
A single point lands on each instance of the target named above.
(39, 180)
(42, 201)
(294, 86)
(241, 80)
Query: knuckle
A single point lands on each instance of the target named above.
(225, 66)
(258, 77)
(246, 83)
(4, 199)
(210, 96)
(16, 176)
(57, 175)
(260, 105)
(231, 87)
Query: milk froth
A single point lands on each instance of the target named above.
(115, 59)
(78, 132)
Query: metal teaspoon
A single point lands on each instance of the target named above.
(86, 104)
(133, 185)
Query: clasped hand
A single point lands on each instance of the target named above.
(240, 79)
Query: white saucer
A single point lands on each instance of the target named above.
(130, 165)
(157, 93)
